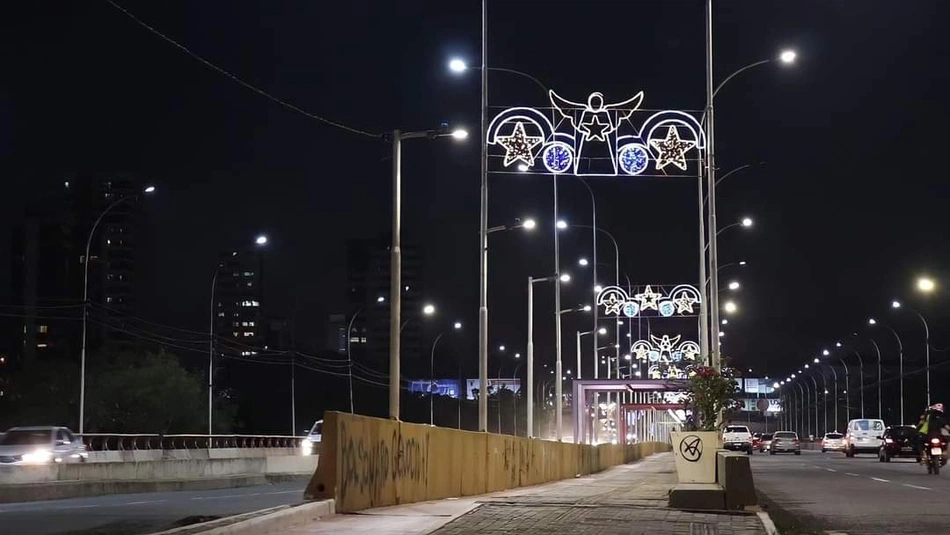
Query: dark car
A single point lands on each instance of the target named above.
(899, 441)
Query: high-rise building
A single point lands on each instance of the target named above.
(240, 328)
(368, 277)
(48, 261)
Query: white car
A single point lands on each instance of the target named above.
(737, 437)
(311, 444)
(863, 436)
(41, 445)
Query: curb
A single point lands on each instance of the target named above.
(767, 523)
(273, 520)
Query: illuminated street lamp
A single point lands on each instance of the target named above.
(788, 56)
(148, 190)
(396, 137)
(428, 310)
(734, 285)
(730, 307)
(561, 224)
(926, 285)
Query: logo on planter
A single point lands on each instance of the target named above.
(691, 448)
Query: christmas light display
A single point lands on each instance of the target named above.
(594, 138)
(668, 358)
(680, 300)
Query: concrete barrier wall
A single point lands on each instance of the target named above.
(370, 462)
(164, 455)
(179, 470)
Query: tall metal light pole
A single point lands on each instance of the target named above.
(483, 237)
(900, 353)
(349, 356)
(897, 304)
(457, 326)
(214, 282)
(85, 304)
(395, 262)
(530, 350)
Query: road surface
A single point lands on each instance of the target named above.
(140, 513)
(856, 496)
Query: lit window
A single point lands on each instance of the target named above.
(43, 329)
(24, 329)
(248, 273)
(236, 324)
(248, 333)
(255, 303)
(250, 324)
(220, 314)
(236, 334)
(108, 299)
(245, 353)
(243, 324)
(41, 346)
(253, 352)
(249, 284)
(108, 242)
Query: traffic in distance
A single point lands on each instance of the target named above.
(926, 443)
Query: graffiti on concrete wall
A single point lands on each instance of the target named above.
(369, 465)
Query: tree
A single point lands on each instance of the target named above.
(149, 392)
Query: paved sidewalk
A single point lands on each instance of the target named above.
(629, 500)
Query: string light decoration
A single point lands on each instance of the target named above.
(633, 158)
(681, 300)
(672, 149)
(518, 146)
(594, 138)
(648, 299)
(668, 357)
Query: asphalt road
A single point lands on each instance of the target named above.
(139, 513)
(856, 496)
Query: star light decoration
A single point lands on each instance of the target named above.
(519, 145)
(672, 149)
(648, 298)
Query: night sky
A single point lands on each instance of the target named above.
(850, 202)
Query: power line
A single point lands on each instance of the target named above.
(247, 85)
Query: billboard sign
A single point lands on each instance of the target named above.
(494, 385)
(439, 387)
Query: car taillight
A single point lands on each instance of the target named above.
(888, 440)
(935, 441)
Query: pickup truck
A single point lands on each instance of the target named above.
(737, 437)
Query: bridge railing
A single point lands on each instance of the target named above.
(130, 442)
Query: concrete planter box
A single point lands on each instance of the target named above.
(695, 455)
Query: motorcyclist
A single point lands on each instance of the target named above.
(932, 423)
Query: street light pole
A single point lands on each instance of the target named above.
(395, 262)
(432, 374)
(897, 304)
(214, 282)
(711, 181)
(900, 353)
(349, 356)
(530, 358)
(483, 237)
(85, 305)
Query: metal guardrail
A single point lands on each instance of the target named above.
(131, 442)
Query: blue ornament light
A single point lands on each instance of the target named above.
(631, 309)
(558, 157)
(667, 309)
(633, 158)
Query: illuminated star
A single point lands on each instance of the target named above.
(519, 145)
(648, 299)
(642, 351)
(672, 149)
(594, 129)
(612, 305)
(684, 303)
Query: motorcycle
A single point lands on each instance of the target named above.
(934, 455)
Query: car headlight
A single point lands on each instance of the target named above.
(38, 456)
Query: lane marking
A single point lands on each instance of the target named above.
(144, 502)
(279, 492)
(225, 496)
(881, 480)
(916, 487)
(76, 507)
(851, 474)
(831, 469)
